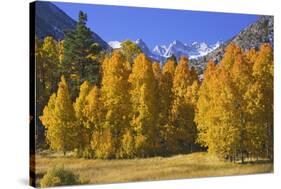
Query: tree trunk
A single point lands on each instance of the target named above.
(242, 157)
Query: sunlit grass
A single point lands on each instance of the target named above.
(157, 168)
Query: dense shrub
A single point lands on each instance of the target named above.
(58, 176)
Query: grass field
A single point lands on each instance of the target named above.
(157, 168)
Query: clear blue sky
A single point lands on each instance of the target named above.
(158, 26)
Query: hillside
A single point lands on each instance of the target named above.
(251, 37)
(51, 20)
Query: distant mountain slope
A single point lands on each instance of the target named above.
(250, 37)
(51, 20)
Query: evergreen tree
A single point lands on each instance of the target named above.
(80, 52)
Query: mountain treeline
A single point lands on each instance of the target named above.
(120, 104)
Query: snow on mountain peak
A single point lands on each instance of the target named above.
(194, 43)
(139, 41)
(159, 50)
(177, 48)
(114, 44)
(193, 50)
(143, 46)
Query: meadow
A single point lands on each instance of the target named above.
(200, 164)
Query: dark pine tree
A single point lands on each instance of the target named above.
(80, 55)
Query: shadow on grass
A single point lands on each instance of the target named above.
(256, 162)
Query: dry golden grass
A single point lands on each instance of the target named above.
(157, 168)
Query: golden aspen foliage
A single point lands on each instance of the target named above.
(230, 55)
(59, 119)
(128, 144)
(47, 65)
(115, 97)
(95, 114)
(169, 69)
(242, 79)
(144, 106)
(103, 144)
(263, 96)
(223, 118)
(162, 108)
(182, 111)
(50, 52)
(166, 98)
(251, 56)
(168, 72)
(84, 133)
(204, 105)
(80, 103)
(232, 103)
(157, 72)
(48, 118)
(130, 50)
(94, 109)
(215, 108)
(221, 103)
(192, 93)
(47, 77)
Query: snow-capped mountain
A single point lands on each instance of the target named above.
(141, 44)
(193, 50)
(177, 48)
(159, 50)
(114, 44)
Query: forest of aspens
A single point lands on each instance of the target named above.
(119, 104)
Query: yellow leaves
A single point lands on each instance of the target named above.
(59, 119)
(79, 104)
(157, 72)
(141, 109)
(130, 50)
(263, 66)
(48, 113)
(114, 96)
(183, 103)
(231, 53)
(103, 144)
(128, 144)
(230, 102)
(94, 108)
(182, 78)
(143, 99)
